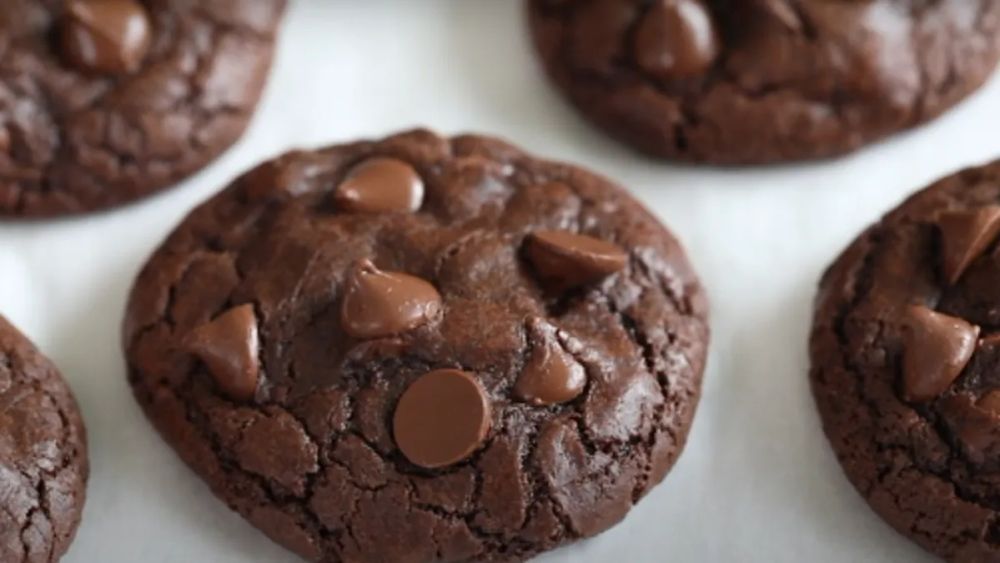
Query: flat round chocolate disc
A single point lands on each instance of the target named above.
(441, 418)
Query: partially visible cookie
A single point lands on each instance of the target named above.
(906, 365)
(106, 101)
(43, 455)
(421, 349)
(758, 81)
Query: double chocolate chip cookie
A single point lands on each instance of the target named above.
(906, 365)
(421, 349)
(757, 81)
(106, 101)
(43, 455)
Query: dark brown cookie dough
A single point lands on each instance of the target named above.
(43, 455)
(906, 365)
(421, 349)
(106, 101)
(757, 81)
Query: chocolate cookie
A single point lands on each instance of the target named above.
(421, 349)
(906, 365)
(106, 101)
(43, 455)
(757, 81)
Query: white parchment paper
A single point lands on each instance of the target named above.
(757, 481)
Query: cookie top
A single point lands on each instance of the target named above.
(905, 355)
(106, 101)
(421, 349)
(757, 81)
(43, 454)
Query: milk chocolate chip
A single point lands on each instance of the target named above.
(783, 13)
(441, 418)
(551, 375)
(676, 39)
(964, 236)
(990, 401)
(229, 347)
(566, 260)
(379, 304)
(595, 34)
(380, 185)
(973, 423)
(106, 36)
(936, 349)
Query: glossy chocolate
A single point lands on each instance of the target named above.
(442, 418)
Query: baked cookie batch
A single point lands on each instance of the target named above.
(429, 348)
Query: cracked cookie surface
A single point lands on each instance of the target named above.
(758, 81)
(43, 455)
(103, 102)
(421, 349)
(906, 365)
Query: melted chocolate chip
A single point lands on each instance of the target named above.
(936, 348)
(378, 304)
(229, 347)
(975, 425)
(551, 375)
(566, 260)
(964, 236)
(676, 39)
(380, 185)
(441, 418)
(990, 401)
(783, 13)
(106, 36)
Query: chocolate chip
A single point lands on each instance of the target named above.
(783, 12)
(990, 401)
(551, 375)
(229, 347)
(441, 418)
(379, 304)
(964, 236)
(676, 39)
(974, 425)
(936, 349)
(380, 185)
(595, 34)
(106, 36)
(566, 260)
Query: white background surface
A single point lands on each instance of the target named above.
(757, 482)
